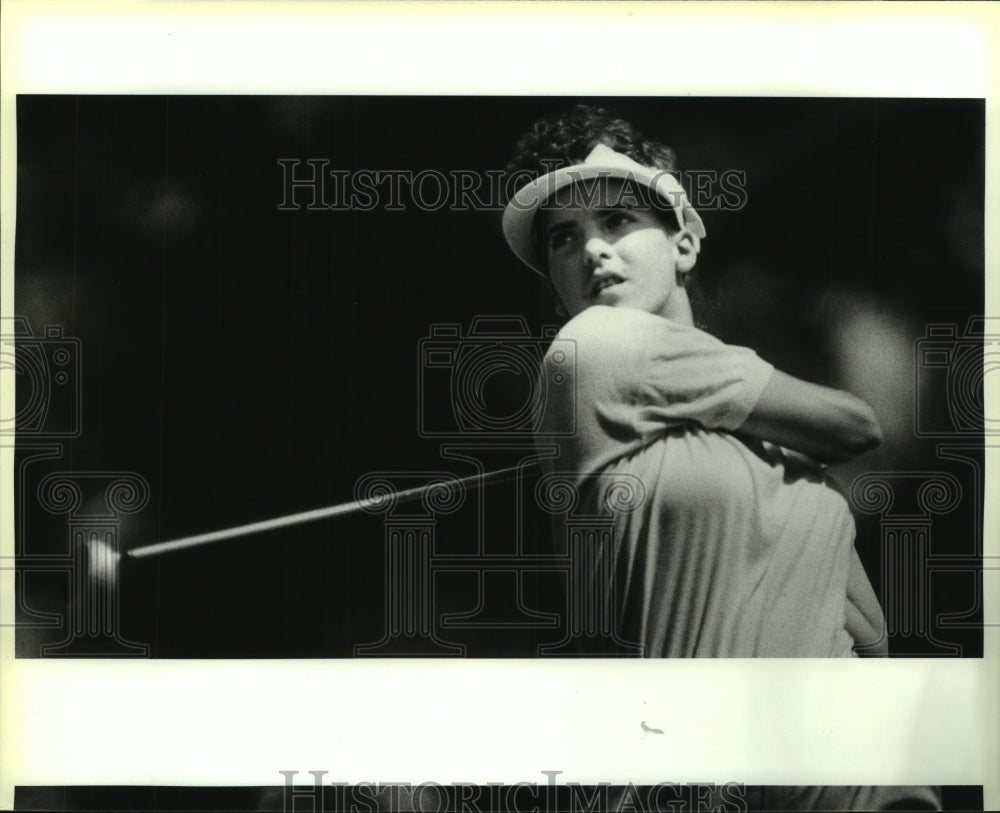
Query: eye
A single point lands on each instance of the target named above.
(560, 239)
(618, 218)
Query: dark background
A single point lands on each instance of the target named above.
(954, 798)
(250, 362)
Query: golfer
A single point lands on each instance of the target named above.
(742, 547)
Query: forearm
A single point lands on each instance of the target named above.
(829, 425)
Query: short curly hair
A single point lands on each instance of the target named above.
(568, 139)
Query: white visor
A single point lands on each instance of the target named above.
(602, 162)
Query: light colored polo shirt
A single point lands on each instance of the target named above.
(740, 548)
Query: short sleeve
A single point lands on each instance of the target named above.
(643, 371)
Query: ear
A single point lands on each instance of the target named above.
(687, 246)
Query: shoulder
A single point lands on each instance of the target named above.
(601, 322)
(604, 335)
(601, 338)
(618, 329)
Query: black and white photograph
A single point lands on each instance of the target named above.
(401, 384)
(242, 309)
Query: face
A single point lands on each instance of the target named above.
(606, 247)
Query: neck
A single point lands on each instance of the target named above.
(678, 308)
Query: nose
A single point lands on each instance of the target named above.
(596, 250)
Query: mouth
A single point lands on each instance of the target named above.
(604, 282)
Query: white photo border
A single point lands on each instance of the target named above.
(231, 723)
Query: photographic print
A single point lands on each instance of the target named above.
(422, 378)
(299, 302)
